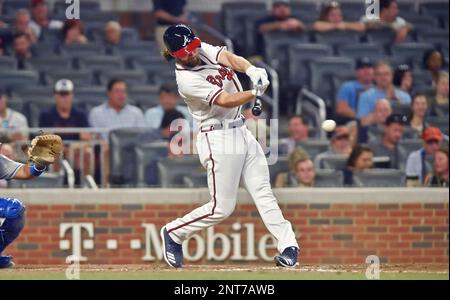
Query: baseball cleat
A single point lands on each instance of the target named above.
(6, 262)
(173, 252)
(288, 258)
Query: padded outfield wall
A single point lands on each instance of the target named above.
(334, 226)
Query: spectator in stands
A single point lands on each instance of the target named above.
(433, 61)
(360, 159)
(381, 112)
(11, 119)
(41, 20)
(112, 33)
(388, 146)
(403, 78)
(256, 125)
(298, 130)
(340, 144)
(73, 33)
(168, 12)
(349, 92)
(21, 26)
(384, 89)
(416, 163)
(440, 175)
(441, 96)
(280, 19)
(22, 49)
(301, 171)
(389, 18)
(331, 19)
(116, 113)
(419, 112)
(168, 97)
(64, 114)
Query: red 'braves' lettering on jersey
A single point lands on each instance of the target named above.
(218, 79)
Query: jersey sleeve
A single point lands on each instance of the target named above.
(212, 52)
(8, 168)
(198, 89)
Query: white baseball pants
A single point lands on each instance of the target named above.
(227, 155)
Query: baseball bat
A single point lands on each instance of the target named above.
(257, 106)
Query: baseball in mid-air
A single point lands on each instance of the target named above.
(329, 125)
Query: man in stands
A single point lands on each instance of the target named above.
(388, 145)
(298, 132)
(349, 92)
(41, 20)
(389, 18)
(281, 19)
(384, 89)
(416, 164)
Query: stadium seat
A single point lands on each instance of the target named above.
(411, 51)
(298, 57)
(328, 178)
(307, 12)
(145, 96)
(9, 7)
(131, 77)
(15, 104)
(78, 77)
(147, 154)
(439, 122)
(379, 178)
(402, 109)
(172, 170)
(441, 110)
(82, 50)
(46, 180)
(139, 49)
(7, 63)
(276, 45)
(233, 18)
(150, 63)
(384, 36)
(45, 49)
(437, 38)
(49, 63)
(120, 140)
(423, 23)
(422, 77)
(90, 96)
(279, 167)
(434, 8)
(11, 79)
(30, 92)
(356, 51)
(322, 69)
(337, 37)
(101, 63)
(314, 147)
(335, 162)
(195, 180)
(51, 36)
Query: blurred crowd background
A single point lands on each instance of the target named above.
(102, 84)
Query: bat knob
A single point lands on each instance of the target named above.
(256, 110)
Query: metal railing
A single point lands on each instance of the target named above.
(307, 100)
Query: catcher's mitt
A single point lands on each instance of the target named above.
(44, 149)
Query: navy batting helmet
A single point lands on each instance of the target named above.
(180, 40)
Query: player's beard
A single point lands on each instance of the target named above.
(193, 62)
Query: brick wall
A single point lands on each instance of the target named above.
(330, 233)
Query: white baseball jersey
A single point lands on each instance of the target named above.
(202, 85)
(8, 168)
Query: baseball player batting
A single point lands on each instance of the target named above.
(208, 84)
(42, 152)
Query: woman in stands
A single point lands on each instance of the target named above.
(440, 100)
(360, 159)
(301, 171)
(73, 33)
(403, 78)
(331, 19)
(419, 113)
(433, 61)
(439, 176)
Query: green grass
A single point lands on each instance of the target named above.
(257, 275)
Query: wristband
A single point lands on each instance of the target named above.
(35, 171)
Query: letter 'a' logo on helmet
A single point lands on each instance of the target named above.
(180, 40)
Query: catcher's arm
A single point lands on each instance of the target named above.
(24, 173)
